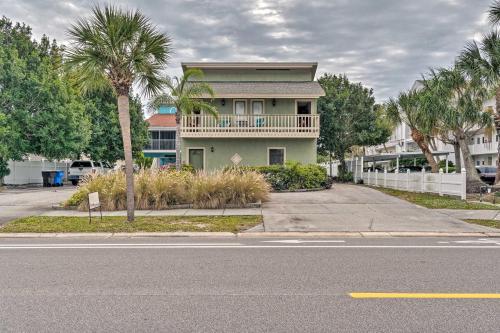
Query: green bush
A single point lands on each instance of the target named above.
(293, 176)
(161, 189)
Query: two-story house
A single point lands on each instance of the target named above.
(161, 146)
(267, 115)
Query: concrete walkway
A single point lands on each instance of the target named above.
(354, 208)
(464, 214)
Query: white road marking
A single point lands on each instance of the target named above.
(296, 241)
(480, 241)
(220, 246)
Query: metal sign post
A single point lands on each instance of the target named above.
(93, 204)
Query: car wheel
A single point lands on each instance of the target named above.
(74, 182)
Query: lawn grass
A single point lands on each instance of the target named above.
(434, 201)
(486, 223)
(60, 224)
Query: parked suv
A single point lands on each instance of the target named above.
(487, 174)
(79, 169)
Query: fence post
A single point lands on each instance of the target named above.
(408, 179)
(356, 171)
(376, 178)
(396, 175)
(440, 182)
(464, 184)
(385, 177)
(422, 181)
(368, 179)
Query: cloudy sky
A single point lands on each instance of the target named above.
(385, 44)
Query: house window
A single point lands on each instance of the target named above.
(239, 107)
(490, 160)
(484, 139)
(276, 156)
(478, 140)
(478, 163)
(257, 107)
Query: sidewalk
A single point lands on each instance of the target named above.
(170, 212)
(463, 214)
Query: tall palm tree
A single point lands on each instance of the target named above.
(119, 48)
(186, 93)
(407, 109)
(482, 62)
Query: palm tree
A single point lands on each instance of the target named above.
(458, 100)
(186, 94)
(407, 109)
(119, 48)
(482, 62)
(494, 12)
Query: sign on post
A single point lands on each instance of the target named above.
(94, 203)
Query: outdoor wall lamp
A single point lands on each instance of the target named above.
(223, 102)
(274, 102)
(212, 149)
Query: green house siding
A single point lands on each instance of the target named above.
(282, 105)
(252, 151)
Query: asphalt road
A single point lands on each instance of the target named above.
(246, 285)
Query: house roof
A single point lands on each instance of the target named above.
(269, 89)
(252, 65)
(161, 120)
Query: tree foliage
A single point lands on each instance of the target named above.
(347, 117)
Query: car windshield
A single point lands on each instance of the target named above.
(81, 164)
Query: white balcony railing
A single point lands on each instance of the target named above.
(483, 148)
(306, 126)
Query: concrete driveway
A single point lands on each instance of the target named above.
(20, 202)
(355, 208)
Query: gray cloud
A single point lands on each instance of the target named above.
(385, 44)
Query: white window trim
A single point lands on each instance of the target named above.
(257, 100)
(234, 106)
(303, 100)
(204, 156)
(284, 153)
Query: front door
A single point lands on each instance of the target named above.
(196, 158)
(304, 113)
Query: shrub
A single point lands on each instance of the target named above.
(161, 189)
(293, 176)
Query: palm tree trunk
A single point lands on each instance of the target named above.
(124, 118)
(178, 162)
(497, 126)
(458, 162)
(472, 178)
(424, 147)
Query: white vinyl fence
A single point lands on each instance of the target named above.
(30, 172)
(440, 183)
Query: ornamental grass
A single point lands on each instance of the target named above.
(164, 189)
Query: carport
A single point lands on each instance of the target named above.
(397, 156)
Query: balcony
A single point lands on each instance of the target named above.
(160, 145)
(250, 126)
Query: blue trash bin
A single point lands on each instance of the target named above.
(58, 178)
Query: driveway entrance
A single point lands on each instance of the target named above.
(355, 208)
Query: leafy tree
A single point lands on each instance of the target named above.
(105, 141)
(384, 124)
(347, 118)
(407, 109)
(185, 93)
(119, 48)
(42, 114)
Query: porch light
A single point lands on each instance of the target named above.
(274, 102)
(212, 149)
(223, 102)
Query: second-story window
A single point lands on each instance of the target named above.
(257, 107)
(239, 107)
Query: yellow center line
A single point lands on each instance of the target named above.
(424, 295)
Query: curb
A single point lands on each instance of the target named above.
(371, 234)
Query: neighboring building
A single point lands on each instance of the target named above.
(161, 146)
(267, 115)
